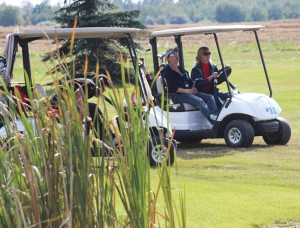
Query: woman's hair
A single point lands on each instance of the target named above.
(200, 51)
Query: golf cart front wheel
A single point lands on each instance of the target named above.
(282, 137)
(239, 133)
(158, 151)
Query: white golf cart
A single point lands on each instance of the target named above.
(242, 116)
(158, 124)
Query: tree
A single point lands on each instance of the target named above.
(275, 12)
(179, 19)
(150, 21)
(161, 20)
(291, 9)
(42, 12)
(27, 10)
(95, 13)
(229, 12)
(257, 14)
(9, 15)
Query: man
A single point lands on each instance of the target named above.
(179, 82)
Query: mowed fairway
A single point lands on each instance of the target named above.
(249, 187)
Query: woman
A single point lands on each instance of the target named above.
(204, 73)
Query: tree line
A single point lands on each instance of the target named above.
(28, 14)
(166, 12)
(222, 11)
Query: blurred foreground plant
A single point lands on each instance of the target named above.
(50, 178)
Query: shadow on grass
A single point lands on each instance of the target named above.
(211, 150)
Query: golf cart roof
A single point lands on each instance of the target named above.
(205, 30)
(88, 32)
(25, 37)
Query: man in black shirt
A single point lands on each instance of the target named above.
(179, 82)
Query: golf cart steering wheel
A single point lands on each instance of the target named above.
(221, 75)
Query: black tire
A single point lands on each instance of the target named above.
(158, 151)
(282, 137)
(239, 133)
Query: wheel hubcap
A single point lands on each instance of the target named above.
(159, 153)
(234, 135)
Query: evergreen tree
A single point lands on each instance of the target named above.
(95, 13)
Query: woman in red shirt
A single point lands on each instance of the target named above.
(204, 72)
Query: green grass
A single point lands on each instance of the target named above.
(239, 188)
(254, 187)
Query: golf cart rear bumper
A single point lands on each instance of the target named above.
(265, 128)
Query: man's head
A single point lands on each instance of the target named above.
(171, 53)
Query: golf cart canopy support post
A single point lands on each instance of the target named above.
(180, 50)
(263, 62)
(135, 60)
(222, 63)
(152, 41)
(26, 60)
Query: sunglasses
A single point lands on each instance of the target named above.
(173, 54)
(206, 53)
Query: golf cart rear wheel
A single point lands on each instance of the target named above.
(239, 133)
(281, 137)
(158, 151)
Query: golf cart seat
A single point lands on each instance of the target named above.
(161, 86)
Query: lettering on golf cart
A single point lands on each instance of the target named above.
(271, 110)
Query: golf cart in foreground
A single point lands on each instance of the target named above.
(159, 129)
(242, 116)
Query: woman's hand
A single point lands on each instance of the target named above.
(213, 76)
